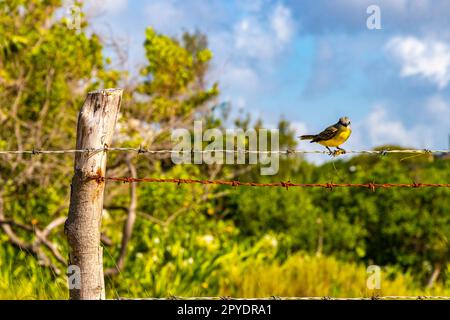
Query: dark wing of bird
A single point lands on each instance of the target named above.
(326, 134)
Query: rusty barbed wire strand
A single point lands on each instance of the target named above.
(142, 150)
(283, 184)
(299, 298)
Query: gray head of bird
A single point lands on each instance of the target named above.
(344, 121)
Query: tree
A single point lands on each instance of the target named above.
(45, 70)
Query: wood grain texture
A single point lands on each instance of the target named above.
(95, 130)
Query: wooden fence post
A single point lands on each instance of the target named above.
(95, 129)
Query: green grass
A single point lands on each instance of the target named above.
(22, 278)
(299, 275)
(302, 275)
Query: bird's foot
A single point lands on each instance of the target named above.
(337, 152)
(290, 151)
(340, 151)
(330, 152)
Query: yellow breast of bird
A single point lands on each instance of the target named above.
(340, 137)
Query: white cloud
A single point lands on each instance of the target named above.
(264, 37)
(240, 102)
(380, 129)
(439, 109)
(176, 16)
(252, 5)
(253, 40)
(165, 16)
(240, 78)
(299, 127)
(429, 59)
(105, 6)
(282, 23)
(247, 44)
(246, 47)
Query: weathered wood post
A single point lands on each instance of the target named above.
(95, 129)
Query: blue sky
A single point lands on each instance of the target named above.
(313, 61)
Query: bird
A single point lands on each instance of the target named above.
(333, 136)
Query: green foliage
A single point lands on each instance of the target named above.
(404, 227)
(21, 276)
(46, 70)
(189, 267)
(314, 276)
(175, 74)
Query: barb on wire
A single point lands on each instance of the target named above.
(283, 184)
(142, 150)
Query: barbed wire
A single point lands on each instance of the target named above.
(282, 184)
(142, 150)
(298, 298)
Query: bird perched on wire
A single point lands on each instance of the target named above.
(333, 136)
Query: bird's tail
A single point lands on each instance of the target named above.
(307, 137)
